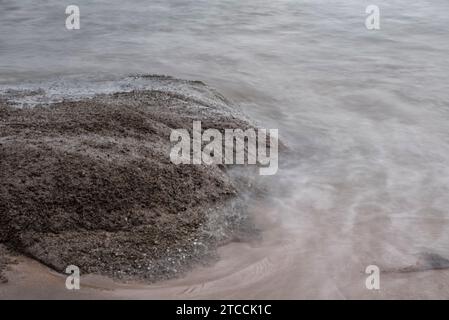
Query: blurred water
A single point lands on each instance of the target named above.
(366, 111)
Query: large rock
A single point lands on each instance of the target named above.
(90, 182)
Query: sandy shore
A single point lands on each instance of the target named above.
(251, 270)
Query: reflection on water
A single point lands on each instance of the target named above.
(366, 113)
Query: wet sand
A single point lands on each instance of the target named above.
(244, 271)
(283, 264)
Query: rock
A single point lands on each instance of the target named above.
(90, 183)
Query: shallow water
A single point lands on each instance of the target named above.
(365, 111)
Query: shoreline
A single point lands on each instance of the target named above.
(262, 264)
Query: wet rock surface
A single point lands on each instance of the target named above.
(90, 183)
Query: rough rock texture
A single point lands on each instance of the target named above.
(90, 182)
(4, 261)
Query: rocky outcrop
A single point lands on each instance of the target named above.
(90, 182)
